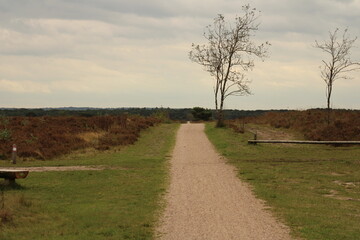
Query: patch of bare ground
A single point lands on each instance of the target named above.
(337, 174)
(207, 201)
(347, 184)
(335, 195)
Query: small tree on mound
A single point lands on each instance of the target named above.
(339, 63)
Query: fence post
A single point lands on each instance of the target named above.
(255, 137)
(14, 150)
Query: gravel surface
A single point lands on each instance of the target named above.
(207, 201)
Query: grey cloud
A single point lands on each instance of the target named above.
(307, 16)
(148, 40)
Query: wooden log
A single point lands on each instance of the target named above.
(303, 142)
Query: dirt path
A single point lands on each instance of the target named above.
(207, 201)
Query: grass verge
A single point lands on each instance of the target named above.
(314, 189)
(118, 203)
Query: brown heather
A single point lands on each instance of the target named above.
(344, 124)
(47, 137)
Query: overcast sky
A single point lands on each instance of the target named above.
(117, 53)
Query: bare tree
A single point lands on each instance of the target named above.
(228, 55)
(339, 63)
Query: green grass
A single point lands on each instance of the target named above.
(121, 203)
(313, 189)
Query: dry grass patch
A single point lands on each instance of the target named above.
(91, 137)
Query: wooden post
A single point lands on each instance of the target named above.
(255, 137)
(2, 199)
(14, 155)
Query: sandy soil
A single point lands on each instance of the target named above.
(207, 201)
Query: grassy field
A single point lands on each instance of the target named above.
(118, 203)
(313, 189)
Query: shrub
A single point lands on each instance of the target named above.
(201, 114)
(6, 216)
(5, 134)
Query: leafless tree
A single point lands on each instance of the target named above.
(339, 63)
(228, 55)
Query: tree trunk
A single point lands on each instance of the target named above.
(220, 122)
(329, 91)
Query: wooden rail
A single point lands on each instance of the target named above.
(304, 142)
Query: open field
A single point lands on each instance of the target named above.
(120, 202)
(313, 189)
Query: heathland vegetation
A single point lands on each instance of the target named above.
(179, 114)
(47, 137)
(313, 124)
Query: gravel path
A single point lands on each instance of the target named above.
(207, 201)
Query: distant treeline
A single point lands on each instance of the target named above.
(181, 114)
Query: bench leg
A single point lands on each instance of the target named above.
(9, 181)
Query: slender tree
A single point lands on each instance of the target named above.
(228, 54)
(339, 63)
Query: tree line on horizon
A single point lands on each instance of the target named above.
(177, 114)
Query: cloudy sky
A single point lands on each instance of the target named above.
(118, 53)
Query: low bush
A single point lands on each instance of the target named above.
(5, 134)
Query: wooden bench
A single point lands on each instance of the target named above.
(11, 174)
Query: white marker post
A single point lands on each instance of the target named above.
(14, 150)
